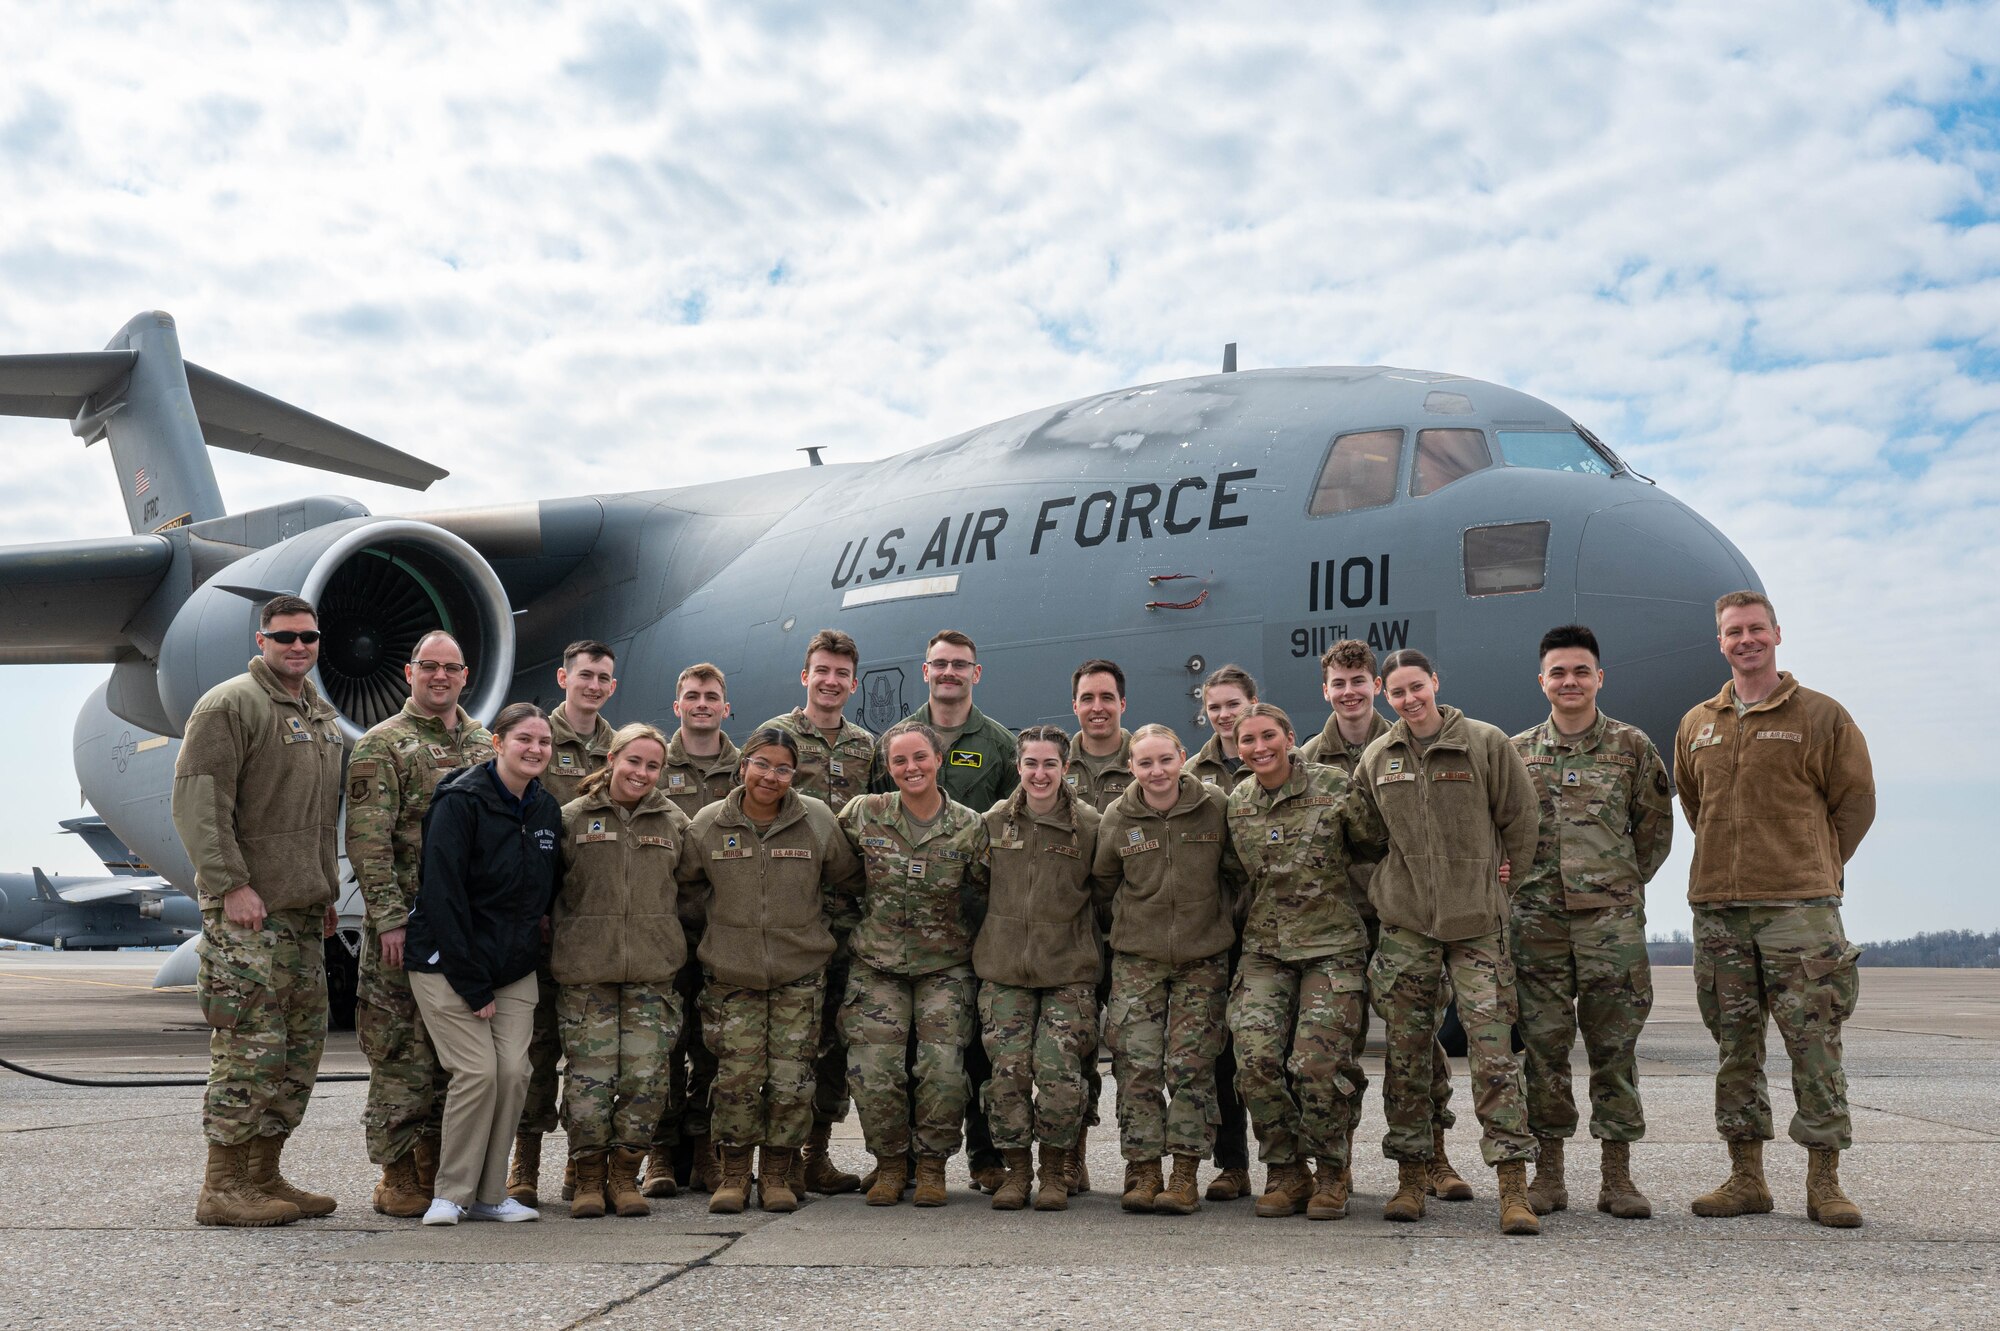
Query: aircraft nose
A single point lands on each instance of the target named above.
(1654, 567)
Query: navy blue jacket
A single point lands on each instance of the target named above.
(490, 868)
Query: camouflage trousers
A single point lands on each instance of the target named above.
(880, 1013)
(406, 1083)
(1442, 1116)
(263, 991)
(764, 1042)
(830, 1064)
(1588, 969)
(618, 1043)
(1406, 981)
(1294, 1025)
(1165, 1025)
(1791, 962)
(1037, 1040)
(693, 1079)
(539, 1114)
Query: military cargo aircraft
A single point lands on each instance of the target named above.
(134, 907)
(1253, 517)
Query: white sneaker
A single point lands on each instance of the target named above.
(508, 1212)
(444, 1211)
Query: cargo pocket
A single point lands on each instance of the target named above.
(1838, 977)
(234, 977)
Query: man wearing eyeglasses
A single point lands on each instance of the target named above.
(257, 805)
(390, 779)
(979, 771)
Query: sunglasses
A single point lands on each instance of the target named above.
(286, 637)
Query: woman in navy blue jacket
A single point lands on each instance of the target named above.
(491, 865)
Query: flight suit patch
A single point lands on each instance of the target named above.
(967, 758)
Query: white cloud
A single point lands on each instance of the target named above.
(563, 248)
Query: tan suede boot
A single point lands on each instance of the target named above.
(1142, 1184)
(1182, 1195)
(1825, 1202)
(265, 1175)
(1053, 1194)
(660, 1180)
(1287, 1188)
(1012, 1194)
(732, 1185)
(397, 1194)
(705, 1165)
(1229, 1185)
(424, 1156)
(1549, 1192)
(590, 1200)
(1744, 1192)
(569, 1178)
(1618, 1195)
(622, 1183)
(524, 1178)
(891, 1175)
(1516, 1216)
(228, 1197)
(1413, 1181)
(930, 1181)
(1440, 1179)
(988, 1178)
(1329, 1198)
(822, 1175)
(774, 1178)
(1078, 1166)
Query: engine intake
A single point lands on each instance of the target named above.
(380, 585)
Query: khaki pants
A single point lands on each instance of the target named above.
(488, 1063)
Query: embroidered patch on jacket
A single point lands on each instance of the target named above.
(966, 758)
(790, 853)
(1187, 837)
(1124, 851)
(834, 768)
(667, 842)
(1071, 851)
(677, 781)
(1572, 778)
(1540, 759)
(1390, 778)
(914, 868)
(878, 843)
(1792, 735)
(1452, 775)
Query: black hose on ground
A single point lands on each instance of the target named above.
(127, 1084)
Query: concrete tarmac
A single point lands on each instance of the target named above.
(97, 1191)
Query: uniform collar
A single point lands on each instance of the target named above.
(267, 680)
(458, 726)
(1552, 738)
(678, 756)
(1062, 816)
(790, 809)
(1330, 738)
(1295, 785)
(1192, 792)
(599, 740)
(1450, 735)
(653, 801)
(1120, 761)
(1725, 701)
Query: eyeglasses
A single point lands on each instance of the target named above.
(956, 667)
(452, 668)
(780, 770)
(286, 637)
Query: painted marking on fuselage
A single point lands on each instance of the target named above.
(907, 590)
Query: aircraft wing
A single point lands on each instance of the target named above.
(244, 420)
(69, 601)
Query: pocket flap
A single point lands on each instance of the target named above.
(1818, 968)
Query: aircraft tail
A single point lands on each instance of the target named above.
(119, 858)
(162, 414)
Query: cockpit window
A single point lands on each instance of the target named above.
(1510, 558)
(1360, 472)
(1552, 450)
(1444, 456)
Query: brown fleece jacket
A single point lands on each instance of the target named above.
(1449, 818)
(1779, 797)
(1177, 874)
(616, 917)
(1040, 929)
(257, 792)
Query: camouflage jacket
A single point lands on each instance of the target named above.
(774, 902)
(1448, 817)
(257, 792)
(1176, 875)
(1041, 928)
(1294, 844)
(835, 772)
(390, 779)
(1607, 816)
(1108, 781)
(926, 889)
(695, 783)
(1329, 750)
(1208, 765)
(574, 756)
(616, 917)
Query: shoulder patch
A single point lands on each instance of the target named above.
(367, 767)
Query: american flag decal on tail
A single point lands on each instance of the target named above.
(139, 482)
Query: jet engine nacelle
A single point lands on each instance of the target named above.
(380, 585)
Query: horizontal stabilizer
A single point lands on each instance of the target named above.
(55, 386)
(90, 894)
(69, 601)
(243, 420)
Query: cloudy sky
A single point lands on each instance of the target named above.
(569, 248)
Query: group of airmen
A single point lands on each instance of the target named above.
(943, 924)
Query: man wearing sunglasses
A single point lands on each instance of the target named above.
(257, 804)
(390, 779)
